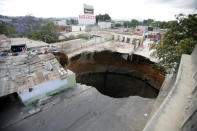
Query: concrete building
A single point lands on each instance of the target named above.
(60, 22)
(33, 72)
(133, 39)
(88, 17)
(5, 20)
(73, 28)
(78, 28)
(104, 24)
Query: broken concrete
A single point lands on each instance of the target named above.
(84, 108)
(175, 110)
(33, 72)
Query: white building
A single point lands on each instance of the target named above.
(76, 28)
(60, 22)
(104, 25)
(88, 17)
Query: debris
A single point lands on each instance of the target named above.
(189, 97)
(4, 54)
(33, 111)
(14, 54)
(145, 114)
(186, 107)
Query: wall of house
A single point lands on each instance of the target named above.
(47, 88)
(104, 25)
(87, 19)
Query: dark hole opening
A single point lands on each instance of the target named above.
(10, 105)
(118, 85)
(62, 58)
(18, 48)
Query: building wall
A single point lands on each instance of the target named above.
(75, 28)
(87, 19)
(78, 28)
(61, 23)
(129, 39)
(47, 88)
(104, 25)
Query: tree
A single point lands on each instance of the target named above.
(104, 17)
(50, 32)
(118, 25)
(161, 24)
(134, 22)
(9, 31)
(73, 21)
(150, 21)
(127, 24)
(27, 24)
(35, 35)
(179, 39)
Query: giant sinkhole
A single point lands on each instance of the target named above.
(117, 75)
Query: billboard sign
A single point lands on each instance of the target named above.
(88, 9)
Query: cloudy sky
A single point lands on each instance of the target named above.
(117, 9)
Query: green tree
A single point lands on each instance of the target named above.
(161, 24)
(50, 32)
(127, 24)
(118, 25)
(134, 22)
(9, 31)
(150, 21)
(35, 35)
(73, 21)
(104, 17)
(179, 39)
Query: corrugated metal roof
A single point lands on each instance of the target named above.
(24, 71)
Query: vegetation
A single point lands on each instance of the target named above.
(49, 33)
(149, 22)
(132, 23)
(72, 21)
(179, 39)
(127, 24)
(83, 36)
(9, 31)
(80, 36)
(104, 17)
(35, 35)
(161, 24)
(27, 24)
(118, 25)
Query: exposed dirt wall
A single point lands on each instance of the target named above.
(135, 65)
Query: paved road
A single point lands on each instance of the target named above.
(85, 109)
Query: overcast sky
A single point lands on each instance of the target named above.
(117, 9)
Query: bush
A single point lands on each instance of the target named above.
(51, 32)
(9, 31)
(83, 36)
(35, 35)
(179, 39)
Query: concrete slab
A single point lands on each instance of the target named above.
(175, 107)
(85, 109)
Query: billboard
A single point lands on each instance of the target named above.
(88, 9)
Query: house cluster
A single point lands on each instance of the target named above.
(135, 40)
(30, 70)
(148, 32)
(86, 22)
